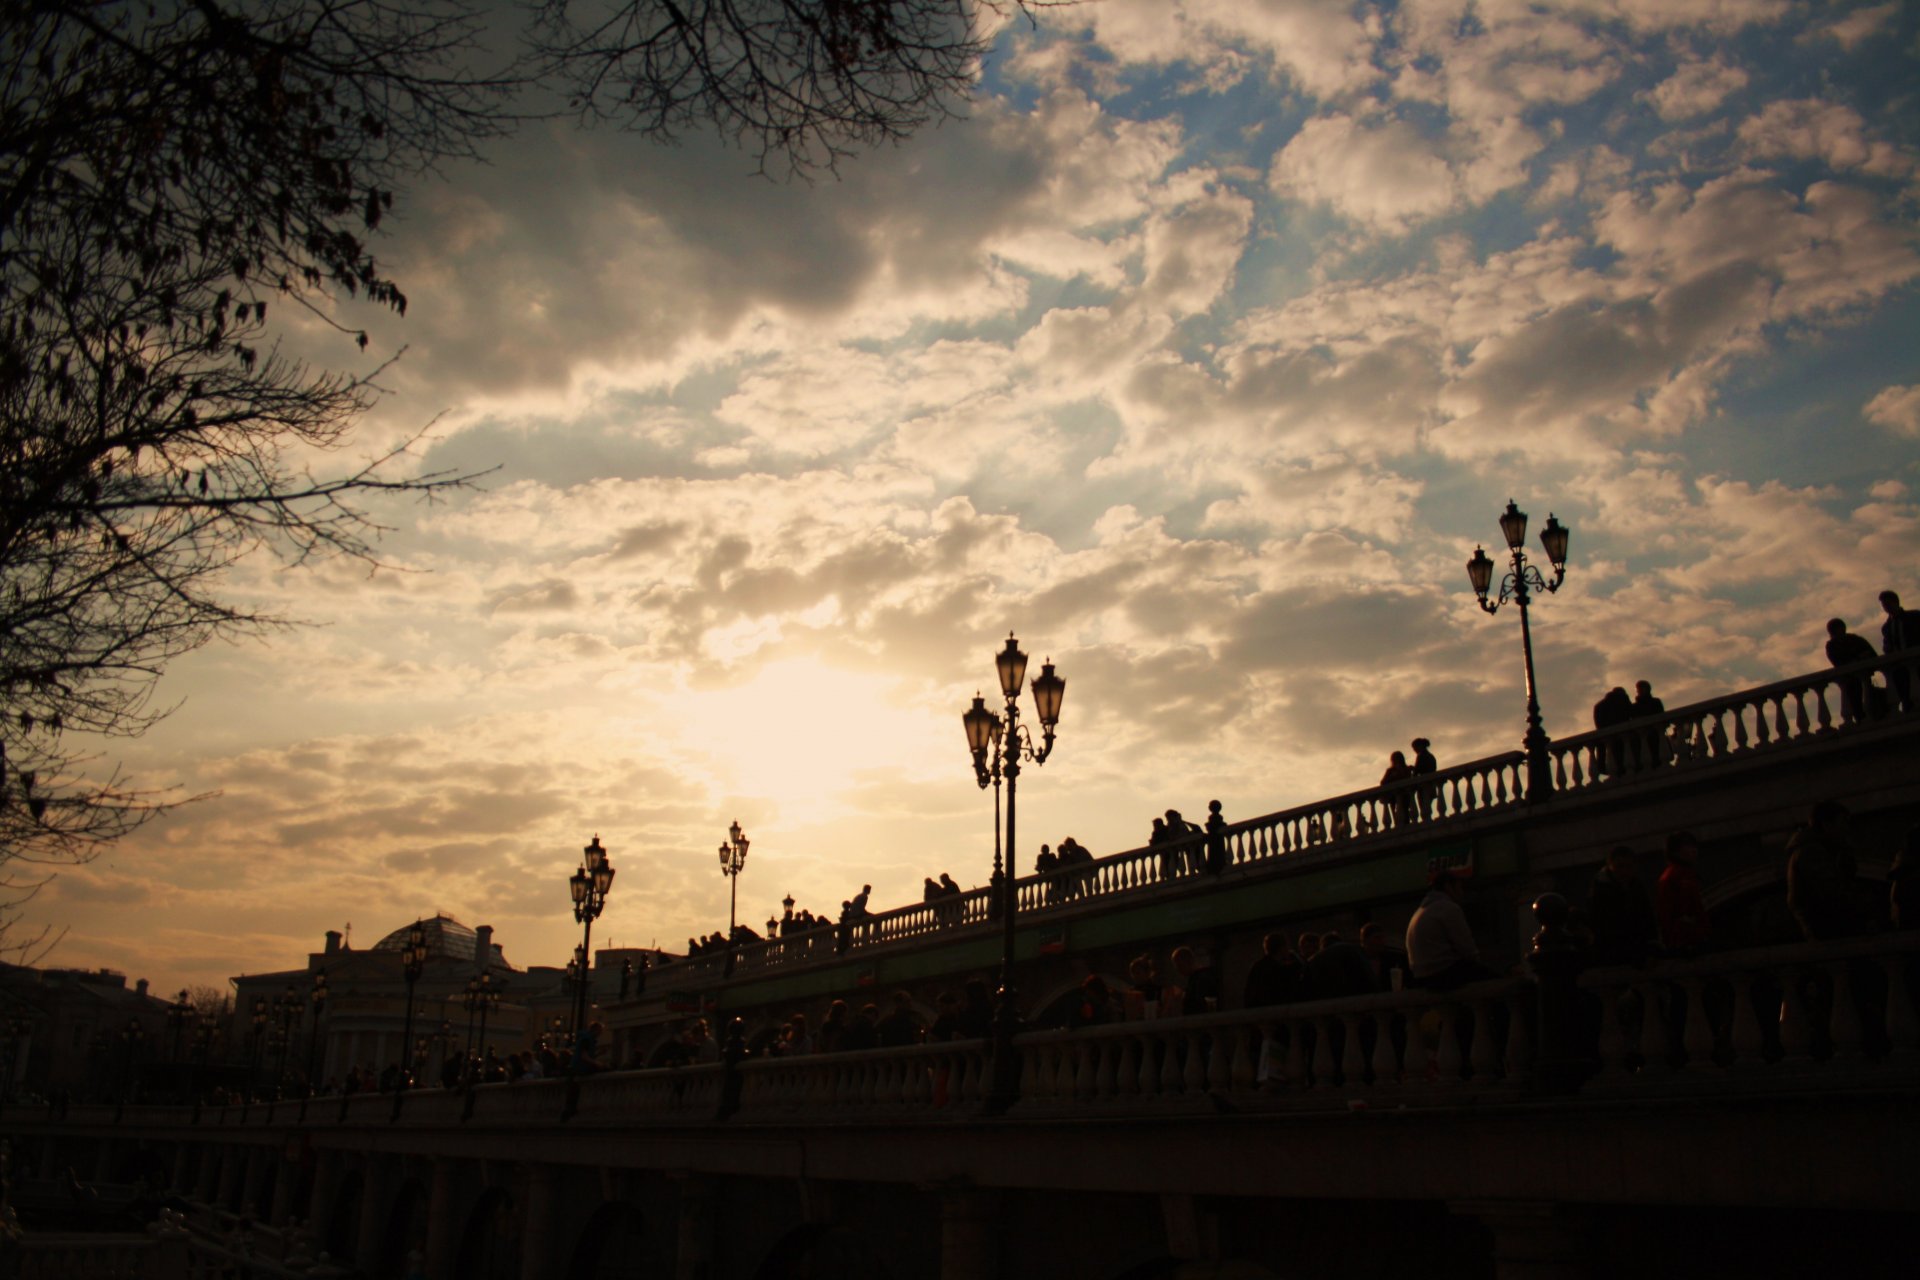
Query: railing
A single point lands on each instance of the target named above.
(1811, 1016)
(1742, 725)
(1745, 724)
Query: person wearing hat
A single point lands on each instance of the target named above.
(1424, 763)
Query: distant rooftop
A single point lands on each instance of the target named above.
(446, 937)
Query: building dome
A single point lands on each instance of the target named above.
(447, 939)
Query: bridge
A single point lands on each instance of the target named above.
(1669, 1119)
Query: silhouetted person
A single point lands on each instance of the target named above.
(1820, 875)
(1844, 648)
(1385, 958)
(899, 1028)
(1441, 951)
(976, 1011)
(1903, 883)
(1201, 982)
(1900, 634)
(863, 1030)
(1047, 865)
(1216, 839)
(1275, 977)
(1621, 911)
(1183, 840)
(1424, 764)
(1096, 1004)
(1610, 712)
(1678, 904)
(1398, 770)
(1341, 968)
(1647, 707)
(1076, 868)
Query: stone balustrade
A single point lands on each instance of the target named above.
(1771, 1018)
(1745, 725)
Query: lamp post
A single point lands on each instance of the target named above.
(132, 1035)
(998, 744)
(317, 1000)
(1520, 578)
(413, 959)
(178, 1014)
(17, 1028)
(589, 884)
(481, 998)
(259, 1036)
(733, 859)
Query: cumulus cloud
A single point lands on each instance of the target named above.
(1896, 408)
(1696, 87)
(1386, 176)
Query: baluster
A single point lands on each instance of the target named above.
(1800, 722)
(1447, 1052)
(1739, 728)
(1353, 1062)
(1483, 1054)
(1654, 1041)
(1323, 1064)
(1106, 1080)
(1579, 774)
(1717, 736)
(1749, 1043)
(1195, 1079)
(1222, 1060)
(1613, 1037)
(1518, 1063)
(1902, 1028)
(1386, 1071)
(1086, 1067)
(1298, 1077)
(1500, 784)
(1245, 1064)
(1845, 1027)
(1418, 1061)
(1126, 1083)
(1149, 1067)
(1171, 1068)
(1697, 1035)
(1761, 734)
(1822, 714)
(1795, 1034)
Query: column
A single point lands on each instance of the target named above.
(232, 1163)
(327, 1171)
(693, 1244)
(443, 1219)
(376, 1205)
(969, 1235)
(256, 1176)
(207, 1182)
(285, 1176)
(541, 1223)
(1532, 1240)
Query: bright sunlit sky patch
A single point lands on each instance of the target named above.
(1201, 354)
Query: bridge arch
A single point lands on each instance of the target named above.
(343, 1228)
(817, 1249)
(610, 1245)
(405, 1232)
(490, 1239)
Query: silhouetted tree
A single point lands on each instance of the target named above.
(174, 177)
(801, 83)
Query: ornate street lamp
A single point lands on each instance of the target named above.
(258, 1038)
(998, 745)
(133, 1035)
(17, 1029)
(177, 1015)
(1520, 578)
(733, 859)
(413, 960)
(589, 884)
(317, 999)
(482, 998)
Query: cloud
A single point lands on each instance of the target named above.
(1896, 408)
(1386, 176)
(1830, 132)
(1696, 87)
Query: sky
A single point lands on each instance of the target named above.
(1201, 354)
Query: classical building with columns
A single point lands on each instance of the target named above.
(364, 1017)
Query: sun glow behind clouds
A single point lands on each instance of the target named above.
(801, 732)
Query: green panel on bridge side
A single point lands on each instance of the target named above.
(1392, 875)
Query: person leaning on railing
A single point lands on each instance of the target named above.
(1441, 951)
